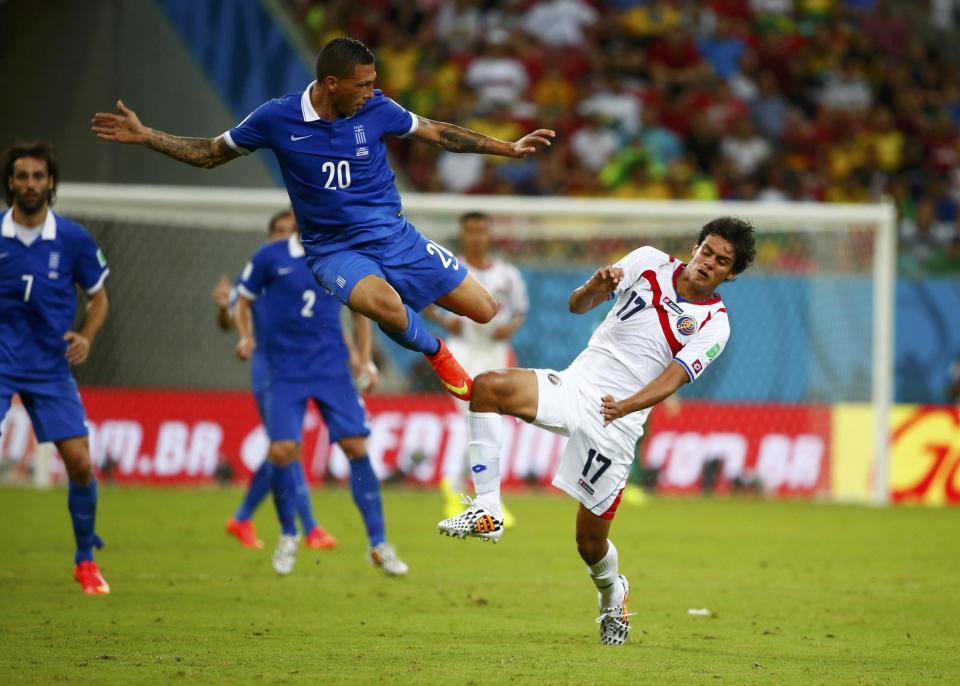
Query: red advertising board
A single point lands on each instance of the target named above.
(784, 449)
(177, 437)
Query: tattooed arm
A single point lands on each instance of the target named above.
(127, 128)
(458, 139)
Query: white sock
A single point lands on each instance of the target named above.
(485, 430)
(605, 575)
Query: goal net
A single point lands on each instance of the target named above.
(811, 322)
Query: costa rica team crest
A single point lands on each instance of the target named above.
(686, 325)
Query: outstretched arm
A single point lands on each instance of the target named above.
(596, 290)
(458, 139)
(661, 388)
(126, 127)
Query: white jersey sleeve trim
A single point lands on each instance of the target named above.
(99, 284)
(686, 368)
(414, 125)
(246, 292)
(229, 139)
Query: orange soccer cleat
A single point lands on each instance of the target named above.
(320, 539)
(244, 532)
(453, 377)
(87, 574)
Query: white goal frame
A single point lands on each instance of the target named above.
(250, 209)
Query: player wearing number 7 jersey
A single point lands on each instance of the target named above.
(44, 258)
(665, 327)
(329, 141)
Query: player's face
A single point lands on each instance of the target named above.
(475, 237)
(283, 228)
(712, 262)
(31, 184)
(352, 92)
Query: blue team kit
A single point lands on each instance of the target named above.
(299, 334)
(38, 300)
(344, 196)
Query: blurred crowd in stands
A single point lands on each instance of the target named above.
(821, 100)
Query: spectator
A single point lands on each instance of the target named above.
(847, 90)
(612, 100)
(675, 60)
(560, 23)
(497, 76)
(662, 145)
(746, 149)
(594, 144)
(724, 48)
(769, 109)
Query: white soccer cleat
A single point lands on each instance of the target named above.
(285, 554)
(475, 521)
(614, 621)
(385, 557)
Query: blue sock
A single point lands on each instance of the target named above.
(82, 503)
(365, 487)
(416, 337)
(256, 492)
(284, 486)
(304, 506)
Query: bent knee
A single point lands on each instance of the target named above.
(486, 309)
(284, 452)
(488, 388)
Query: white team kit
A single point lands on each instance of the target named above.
(474, 347)
(648, 327)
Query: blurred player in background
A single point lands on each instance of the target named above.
(302, 339)
(482, 347)
(329, 141)
(282, 226)
(44, 258)
(666, 326)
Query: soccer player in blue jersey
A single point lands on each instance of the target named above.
(307, 358)
(329, 141)
(44, 258)
(240, 525)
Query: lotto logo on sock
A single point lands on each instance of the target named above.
(477, 468)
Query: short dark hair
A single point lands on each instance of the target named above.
(740, 234)
(340, 57)
(468, 216)
(272, 226)
(42, 150)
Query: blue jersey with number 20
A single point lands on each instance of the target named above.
(336, 173)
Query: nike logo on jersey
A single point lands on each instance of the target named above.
(299, 138)
(283, 271)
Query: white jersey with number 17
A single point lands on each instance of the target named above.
(650, 326)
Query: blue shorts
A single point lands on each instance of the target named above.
(54, 406)
(420, 270)
(335, 397)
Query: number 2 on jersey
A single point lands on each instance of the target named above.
(594, 456)
(447, 258)
(309, 300)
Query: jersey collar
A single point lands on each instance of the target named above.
(48, 233)
(306, 107)
(293, 245)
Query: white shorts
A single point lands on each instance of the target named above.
(596, 462)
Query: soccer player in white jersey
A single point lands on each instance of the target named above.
(482, 347)
(665, 327)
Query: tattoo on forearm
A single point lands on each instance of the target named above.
(457, 139)
(198, 152)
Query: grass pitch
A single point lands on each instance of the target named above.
(799, 593)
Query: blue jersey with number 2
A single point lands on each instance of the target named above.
(298, 324)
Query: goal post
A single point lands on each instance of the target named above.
(832, 265)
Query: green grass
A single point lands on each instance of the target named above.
(801, 594)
